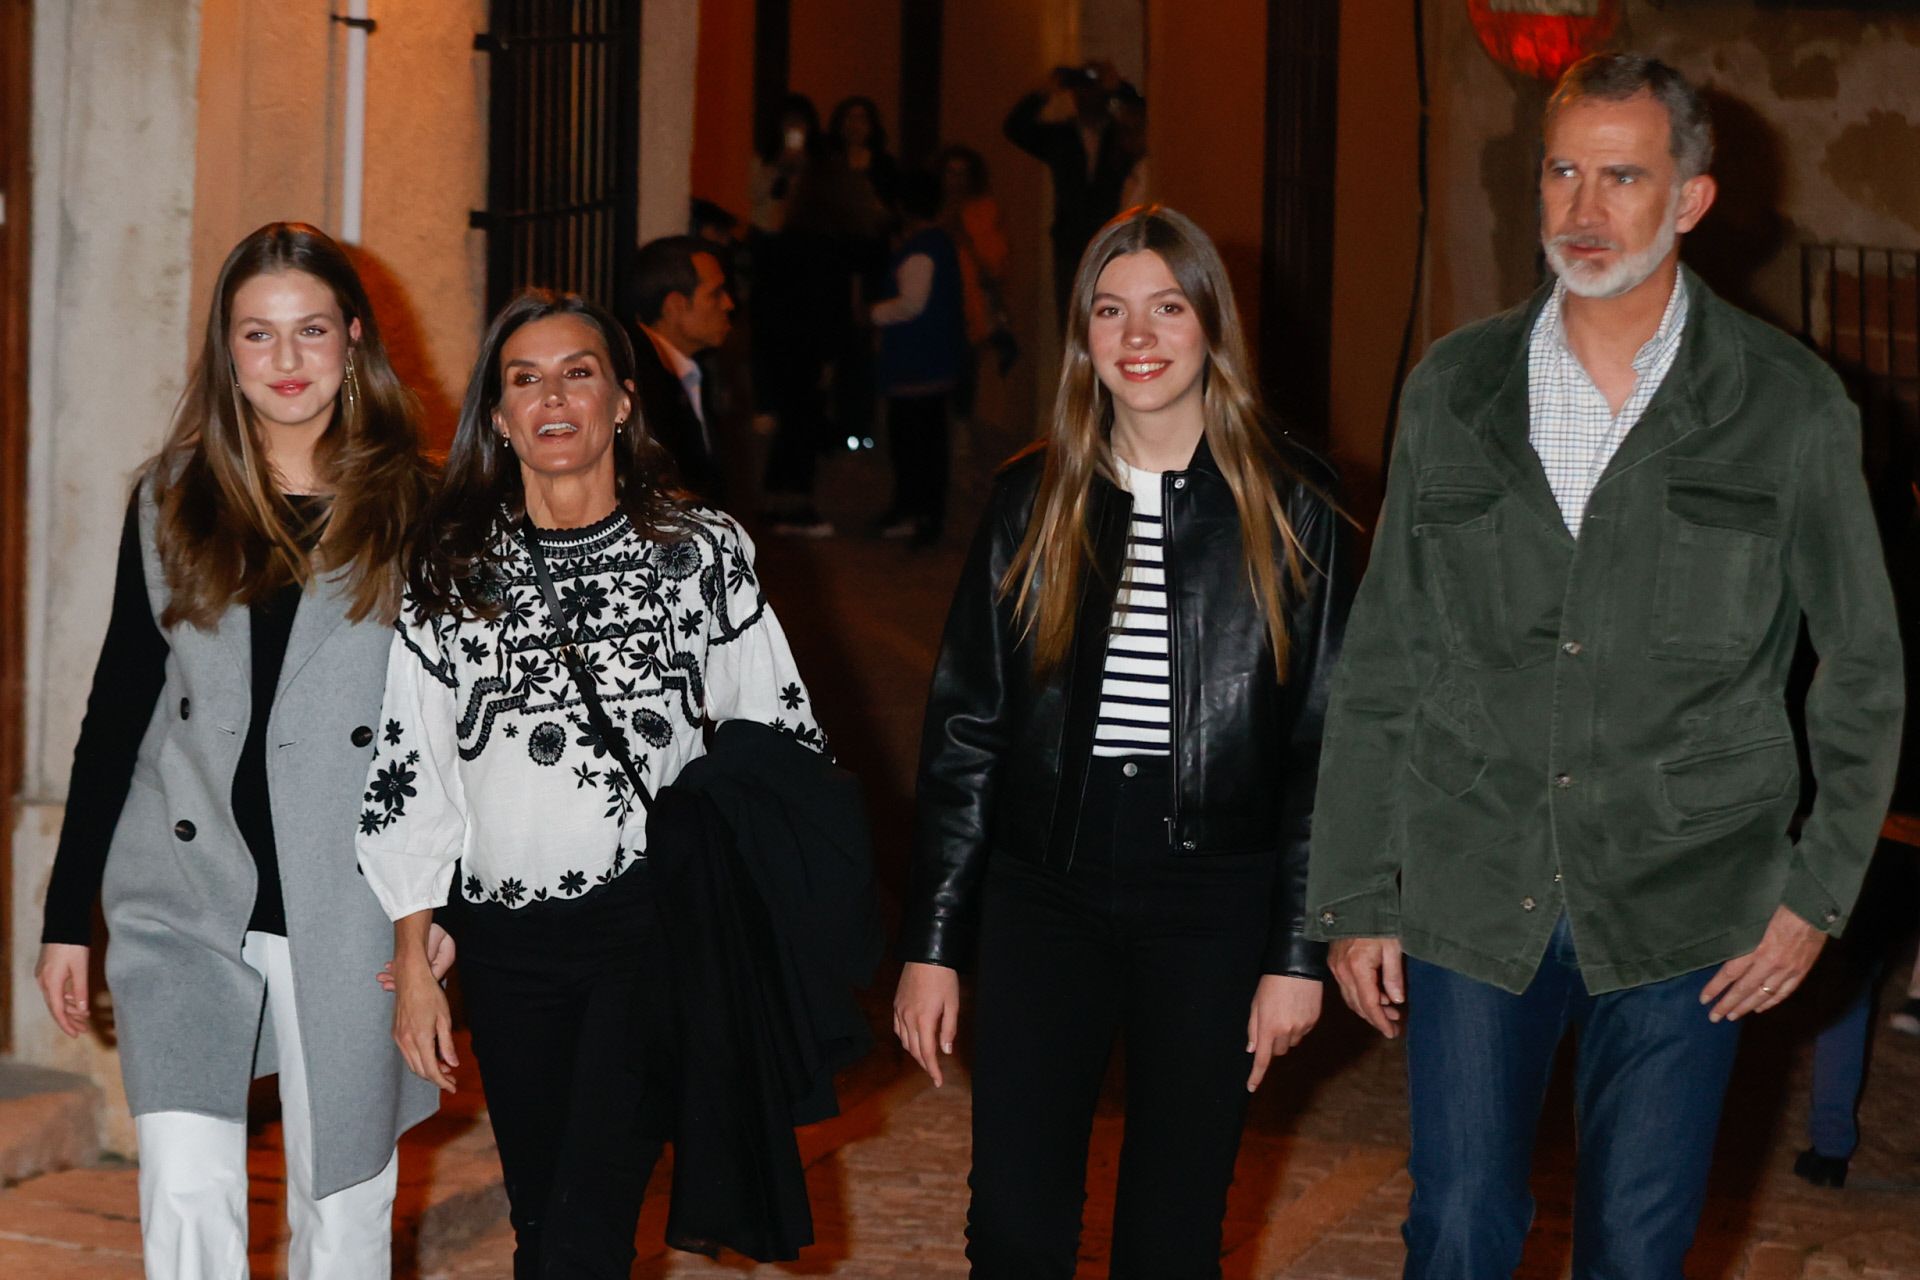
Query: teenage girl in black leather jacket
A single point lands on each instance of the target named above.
(1117, 771)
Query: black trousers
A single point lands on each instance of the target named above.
(1133, 940)
(917, 434)
(562, 998)
(801, 430)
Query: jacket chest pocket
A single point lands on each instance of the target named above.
(1719, 548)
(1457, 525)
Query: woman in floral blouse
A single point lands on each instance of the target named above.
(495, 760)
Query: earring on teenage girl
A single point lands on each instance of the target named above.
(352, 384)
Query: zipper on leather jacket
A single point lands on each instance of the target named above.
(1173, 654)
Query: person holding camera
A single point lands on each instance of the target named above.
(1090, 155)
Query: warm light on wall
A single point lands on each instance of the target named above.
(1542, 38)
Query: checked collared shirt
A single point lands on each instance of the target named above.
(1570, 424)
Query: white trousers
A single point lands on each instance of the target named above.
(193, 1175)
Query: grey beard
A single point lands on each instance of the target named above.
(1626, 274)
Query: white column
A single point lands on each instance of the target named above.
(113, 157)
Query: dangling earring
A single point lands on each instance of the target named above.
(352, 386)
(618, 425)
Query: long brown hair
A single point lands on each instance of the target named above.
(226, 534)
(480, 490)
(1043, 578)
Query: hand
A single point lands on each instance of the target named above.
(926, 1007)
(1372, 980)
(1284, 1010)
(440, 951)
(1772, 971)
(423, 1024)
(62, 975)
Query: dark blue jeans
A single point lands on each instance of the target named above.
(1840, 1068)
(1652, 1073)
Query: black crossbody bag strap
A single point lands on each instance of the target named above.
(582, 678)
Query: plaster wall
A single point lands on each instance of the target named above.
(1116, 31)
(1375, 234)
(1206, 130)
(114, 163)
(1818, 116)
(271, 95)
(723, 105)
(669, 66)
(839, 48)
(995, 51)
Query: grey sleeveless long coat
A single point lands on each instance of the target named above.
(180, 883)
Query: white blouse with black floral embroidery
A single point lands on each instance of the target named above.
(487, 754)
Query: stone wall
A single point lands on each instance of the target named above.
(1818, 116)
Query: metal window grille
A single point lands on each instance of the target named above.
(563, 147)
(1303, 60)
(1859, 308)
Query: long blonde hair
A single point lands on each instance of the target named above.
(226, 536)
(1043, 578)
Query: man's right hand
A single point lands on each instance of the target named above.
(62, 975)
(926, 1007)
(1372, 980)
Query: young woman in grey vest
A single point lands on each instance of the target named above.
(219, 773)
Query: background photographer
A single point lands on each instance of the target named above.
(1091, 155)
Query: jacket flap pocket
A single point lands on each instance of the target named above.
(1724, 495)
(1724, 781)
(1454, 494)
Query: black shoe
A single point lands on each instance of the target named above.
(1821, 1171)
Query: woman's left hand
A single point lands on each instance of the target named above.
(1284, 1010)
(440, 951)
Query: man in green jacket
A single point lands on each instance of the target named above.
(1558, 772)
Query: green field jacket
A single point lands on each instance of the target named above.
(1524, 724)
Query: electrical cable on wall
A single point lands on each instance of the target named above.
(1420, 243)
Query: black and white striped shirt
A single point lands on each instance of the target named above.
(1136, 709)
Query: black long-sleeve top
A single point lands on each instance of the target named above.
(127, 682)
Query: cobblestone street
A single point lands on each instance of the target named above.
(1321, 1186)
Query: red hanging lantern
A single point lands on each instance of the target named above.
(1542, 38)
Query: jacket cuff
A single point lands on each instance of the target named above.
(1807, 898)
(1371, 913)
(65, 933)
(1296, 956)
(935, 940)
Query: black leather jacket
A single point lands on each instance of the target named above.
(1003, 760)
